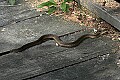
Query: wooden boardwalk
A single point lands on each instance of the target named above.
(110, 15)
(94, 59)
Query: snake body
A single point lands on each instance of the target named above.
(56, 38)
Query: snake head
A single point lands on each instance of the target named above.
(101, 32)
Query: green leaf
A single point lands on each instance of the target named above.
(48, 4)
(52, 1)
(65, 0)
(12, 2)
(67, 7)
(51, 9)
(63, 6)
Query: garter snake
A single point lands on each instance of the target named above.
(57, 39)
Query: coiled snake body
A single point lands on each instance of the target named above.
(56, 38)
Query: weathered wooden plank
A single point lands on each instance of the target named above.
(12, 14)
(29, 30)
(47, 57)
(17, 34)
(102, 68)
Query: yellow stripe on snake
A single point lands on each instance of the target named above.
(57, 39)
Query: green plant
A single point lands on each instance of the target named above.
(11, 2)
(64, 6)
(53, 6)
